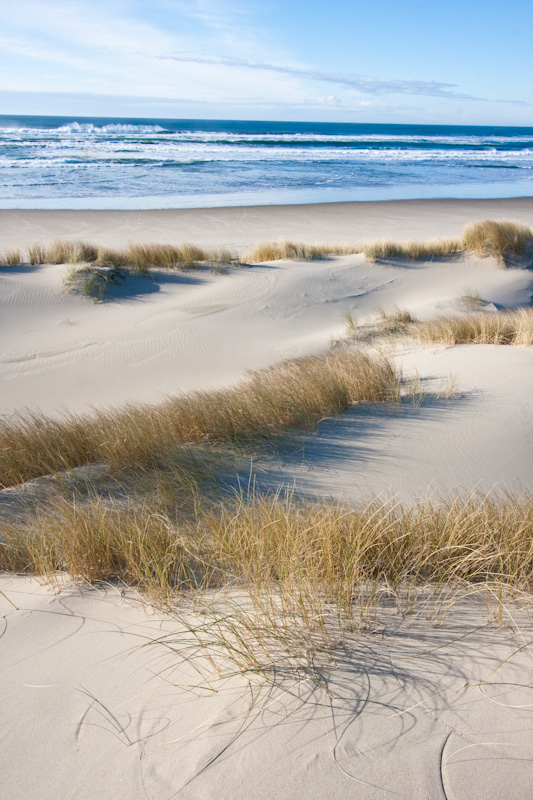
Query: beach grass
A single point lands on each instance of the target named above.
(292, 394)
(295, 251)
(500, 238)
(434, 248)
(510, 327)
(514, 327)
(92, 281)
(137, 257)
(308, 560)
(11, 258)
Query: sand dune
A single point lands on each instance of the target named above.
(198, 330)
(481, 438)
(415, 710)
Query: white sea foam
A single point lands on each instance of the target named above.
(122, 159)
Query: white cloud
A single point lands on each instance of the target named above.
(208, 50)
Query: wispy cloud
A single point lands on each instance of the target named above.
(205, 51)
(363, 84)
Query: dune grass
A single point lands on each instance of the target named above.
(500, 238)
(137, 257)
(93, 281)
(293, 394)
(11, 258)
(36, 254)
(296, 251)
(434, 248)
(503, 327)
(512, 327)
(388, 323)
(321, 562)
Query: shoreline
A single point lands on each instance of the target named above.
(243, 226)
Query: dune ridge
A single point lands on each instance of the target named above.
(330, 553)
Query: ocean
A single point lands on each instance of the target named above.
(65, 162)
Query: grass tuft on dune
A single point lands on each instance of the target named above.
(136, 257)
(502, 327)
(312, 561)
(293, 394)
(512, 327)
(296, 251)
(500, 238)
(435, 248)
(11, 258)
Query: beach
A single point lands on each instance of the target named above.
(242, 227)
(429, 701)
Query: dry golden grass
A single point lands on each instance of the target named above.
(275, 251)
(144, 257)
(389, 323)
(11, 258)
(137, 257)
(37, 254)
(513, 327)
(302, 558)
(295, 251)
(293, 394)
(66, 252)
(502, 327)
(434, 248)
(501, 238)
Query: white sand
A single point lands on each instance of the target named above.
(418, 712)
(242, 227)
(481, 439)
(198, 330)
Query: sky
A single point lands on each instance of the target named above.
(405, 61)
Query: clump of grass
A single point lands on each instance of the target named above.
(145, 256)
(190, 255)
(37, 254)
(11, 258)
(293, 394)
(275, 251)
(502, 327)
(92, 281)
(297, 251)
(67, 252)
(315, 561)
(513, 327)
(500, 238)
(110, 257)
(137, 545)
(390, 322)
(394, 321)
(434, 248)
(472, 300)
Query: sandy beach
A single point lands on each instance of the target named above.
(242, 227)
(417, 706)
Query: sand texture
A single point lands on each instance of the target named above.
(420, 706)
(91, 709)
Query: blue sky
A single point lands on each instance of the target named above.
(454, 62)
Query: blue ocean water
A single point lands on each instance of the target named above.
(64, 162)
